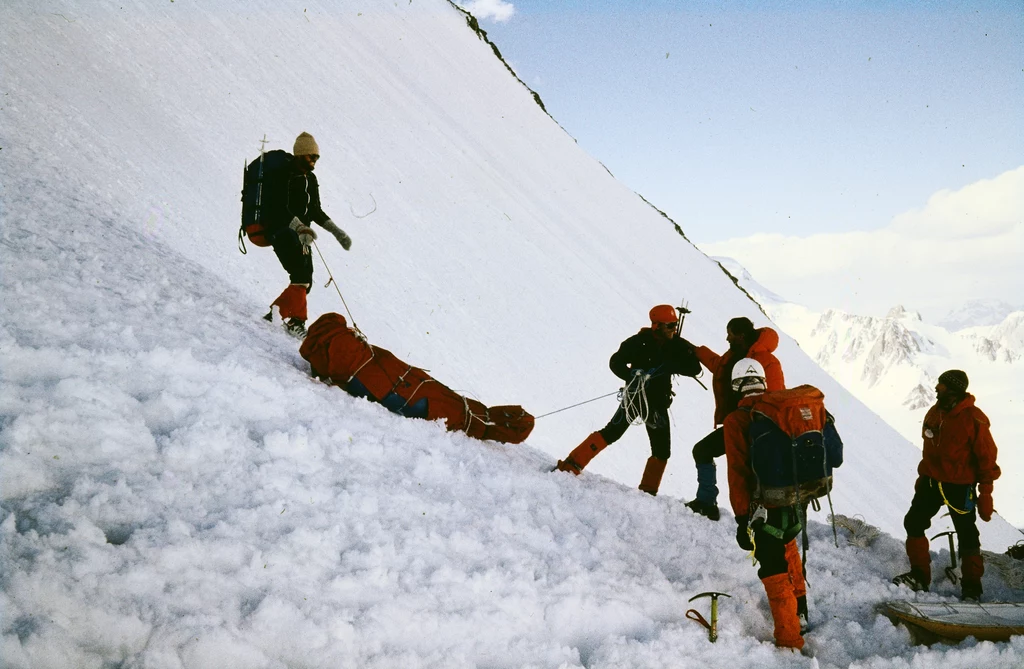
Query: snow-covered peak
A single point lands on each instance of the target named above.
(899, 311)
(978, 312)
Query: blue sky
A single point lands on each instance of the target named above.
(793, 119)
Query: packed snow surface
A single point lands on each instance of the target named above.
(175, 491)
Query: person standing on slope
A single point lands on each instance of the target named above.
(291, 236)
(744, 342)
(773, 537)
(958, 466)
(646, 361)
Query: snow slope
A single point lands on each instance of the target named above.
(176, 492)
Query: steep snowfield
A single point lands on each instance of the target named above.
(176, 492)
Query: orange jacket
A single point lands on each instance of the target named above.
(721, 370)
(958, 447)
(742, 480)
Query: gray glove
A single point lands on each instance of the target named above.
(306, 234)
(339, 234)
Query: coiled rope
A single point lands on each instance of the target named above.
(634, 399)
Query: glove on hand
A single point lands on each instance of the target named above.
(742, 538)
(339, 234)
(985, 501)
(306, 234)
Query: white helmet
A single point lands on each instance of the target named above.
(748, 377)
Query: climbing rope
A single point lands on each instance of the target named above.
(331, 280)
(948, 503)
(634, 399)
(578, 404)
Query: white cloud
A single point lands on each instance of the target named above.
(987, 208)
(498, 10)
(961, 245)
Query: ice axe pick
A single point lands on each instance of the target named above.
(695, 615)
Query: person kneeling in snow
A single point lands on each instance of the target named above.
(958, 453)
(646, 361)
(772, 537)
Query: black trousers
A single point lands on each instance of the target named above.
(658, 431)
(928, 499)
(710, 447)
(769, 549)
(299, 265)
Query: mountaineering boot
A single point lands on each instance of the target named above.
(920, 575)
(783, 606)
(581, 456)
(295, 328)
(710, 511)
(706, 502)
(973, 567)
(914, 580)
(653, 472)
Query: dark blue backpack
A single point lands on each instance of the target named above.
(264, 197)
(794, 446)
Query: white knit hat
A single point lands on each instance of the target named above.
(305, 145)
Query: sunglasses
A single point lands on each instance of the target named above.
(669, 326)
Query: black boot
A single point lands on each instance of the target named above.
(706, 509)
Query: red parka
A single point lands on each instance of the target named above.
(742, 480)
(958, 447)
(721, 370)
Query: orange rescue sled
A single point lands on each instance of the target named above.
(338, 355)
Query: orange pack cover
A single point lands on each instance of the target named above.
(796, 410)
(337, 354)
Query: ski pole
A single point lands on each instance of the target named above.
(712, 627)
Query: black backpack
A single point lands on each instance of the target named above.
(794, 446)
(264, 193)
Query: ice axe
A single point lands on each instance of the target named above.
(951, 569)
(712, 627)
(683, 310)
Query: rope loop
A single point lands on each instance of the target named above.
(634, 399)
(950, 504)
(695, 616)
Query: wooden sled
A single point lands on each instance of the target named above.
(952, 622)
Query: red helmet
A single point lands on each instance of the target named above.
(664, 313)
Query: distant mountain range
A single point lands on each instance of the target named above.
(892, 363)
